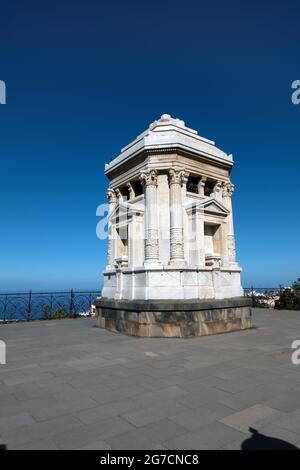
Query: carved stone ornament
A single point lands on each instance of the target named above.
(149, 178)
(130, 190)
(227, 189)
(177, 176)
(151, 244)
(176, 243)
(111, 196)
(119, 194)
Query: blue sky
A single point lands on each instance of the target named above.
(85, 77)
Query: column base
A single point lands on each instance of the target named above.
(152, 264)
(177, 263)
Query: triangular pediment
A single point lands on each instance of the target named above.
(124, 211)
(214, 206)
(210, 206)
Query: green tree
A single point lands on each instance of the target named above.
(60, 313)
(289, 299)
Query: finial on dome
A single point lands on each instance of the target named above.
(165, 117)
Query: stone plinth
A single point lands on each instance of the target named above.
(178, 319)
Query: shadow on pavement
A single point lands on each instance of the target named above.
(259, 441)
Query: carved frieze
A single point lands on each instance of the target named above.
(176, 236)
(151, 244)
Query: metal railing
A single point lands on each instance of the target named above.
(27, 306)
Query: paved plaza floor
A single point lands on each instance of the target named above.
(69, 385)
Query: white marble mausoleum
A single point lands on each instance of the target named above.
(171, 231)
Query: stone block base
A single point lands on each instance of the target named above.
(178, 319)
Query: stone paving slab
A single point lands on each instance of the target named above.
(255, 417)
(68, 385)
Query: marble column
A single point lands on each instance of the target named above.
(176, 179)
(201, 186)
(119, 195)
(130, 190)
(217, 192)
(227, 190)
(186, 234)
(149, 180)
(112, 199)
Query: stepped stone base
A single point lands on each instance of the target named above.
(178, 319)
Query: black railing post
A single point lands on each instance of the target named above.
(90, 304)
(29, 306)
(72, 304)
(51, 306)
(5, 309)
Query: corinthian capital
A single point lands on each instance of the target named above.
(149, 177)
(177, 176)
(227, 189)
(111, 195)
